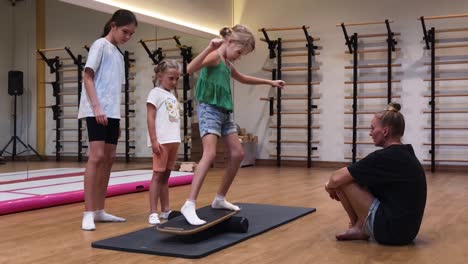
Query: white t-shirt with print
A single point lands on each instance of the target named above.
(167, 116)
(109, 74)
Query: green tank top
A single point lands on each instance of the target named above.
(214, 86)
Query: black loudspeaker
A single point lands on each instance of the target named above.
(15, 82)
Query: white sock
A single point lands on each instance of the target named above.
(220, 202)
(188, 210)
(164, 215)
(153, 219)
(102, 216)
(88, 221)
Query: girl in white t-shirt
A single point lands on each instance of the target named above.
(163, 120)
(104, 75)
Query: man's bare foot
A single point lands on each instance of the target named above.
(352, 233)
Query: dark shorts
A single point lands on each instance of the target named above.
(98, 132)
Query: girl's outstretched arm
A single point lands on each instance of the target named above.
(247, 79)
(203, 59)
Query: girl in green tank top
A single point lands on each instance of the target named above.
(214, 89)
(214, 86)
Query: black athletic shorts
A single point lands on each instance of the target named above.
(98, 132)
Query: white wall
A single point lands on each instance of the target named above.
(215, 14)
(5, 66)
(17, 53)
(181, 15)
(65, 27)
(322, 16)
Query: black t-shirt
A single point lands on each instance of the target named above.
(395, 177)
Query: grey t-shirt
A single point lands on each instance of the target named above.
(109, 74)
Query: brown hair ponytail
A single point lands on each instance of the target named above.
(120, 18)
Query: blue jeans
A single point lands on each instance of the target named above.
(215, 120)
(369, 222)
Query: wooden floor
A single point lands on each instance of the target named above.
(53, 235)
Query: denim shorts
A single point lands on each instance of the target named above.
(369, 223)
(215, 120)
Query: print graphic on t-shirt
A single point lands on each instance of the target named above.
(172, 110)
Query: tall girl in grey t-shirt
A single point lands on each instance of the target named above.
(100, 104)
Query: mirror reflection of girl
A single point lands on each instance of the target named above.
(163, 121)
(103, 77)
(215, 109)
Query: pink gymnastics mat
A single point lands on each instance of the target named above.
(42, 188)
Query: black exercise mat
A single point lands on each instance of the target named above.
(262, 218)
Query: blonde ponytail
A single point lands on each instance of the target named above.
(241, 36)
(392, 118)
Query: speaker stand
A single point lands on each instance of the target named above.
(14, 139)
